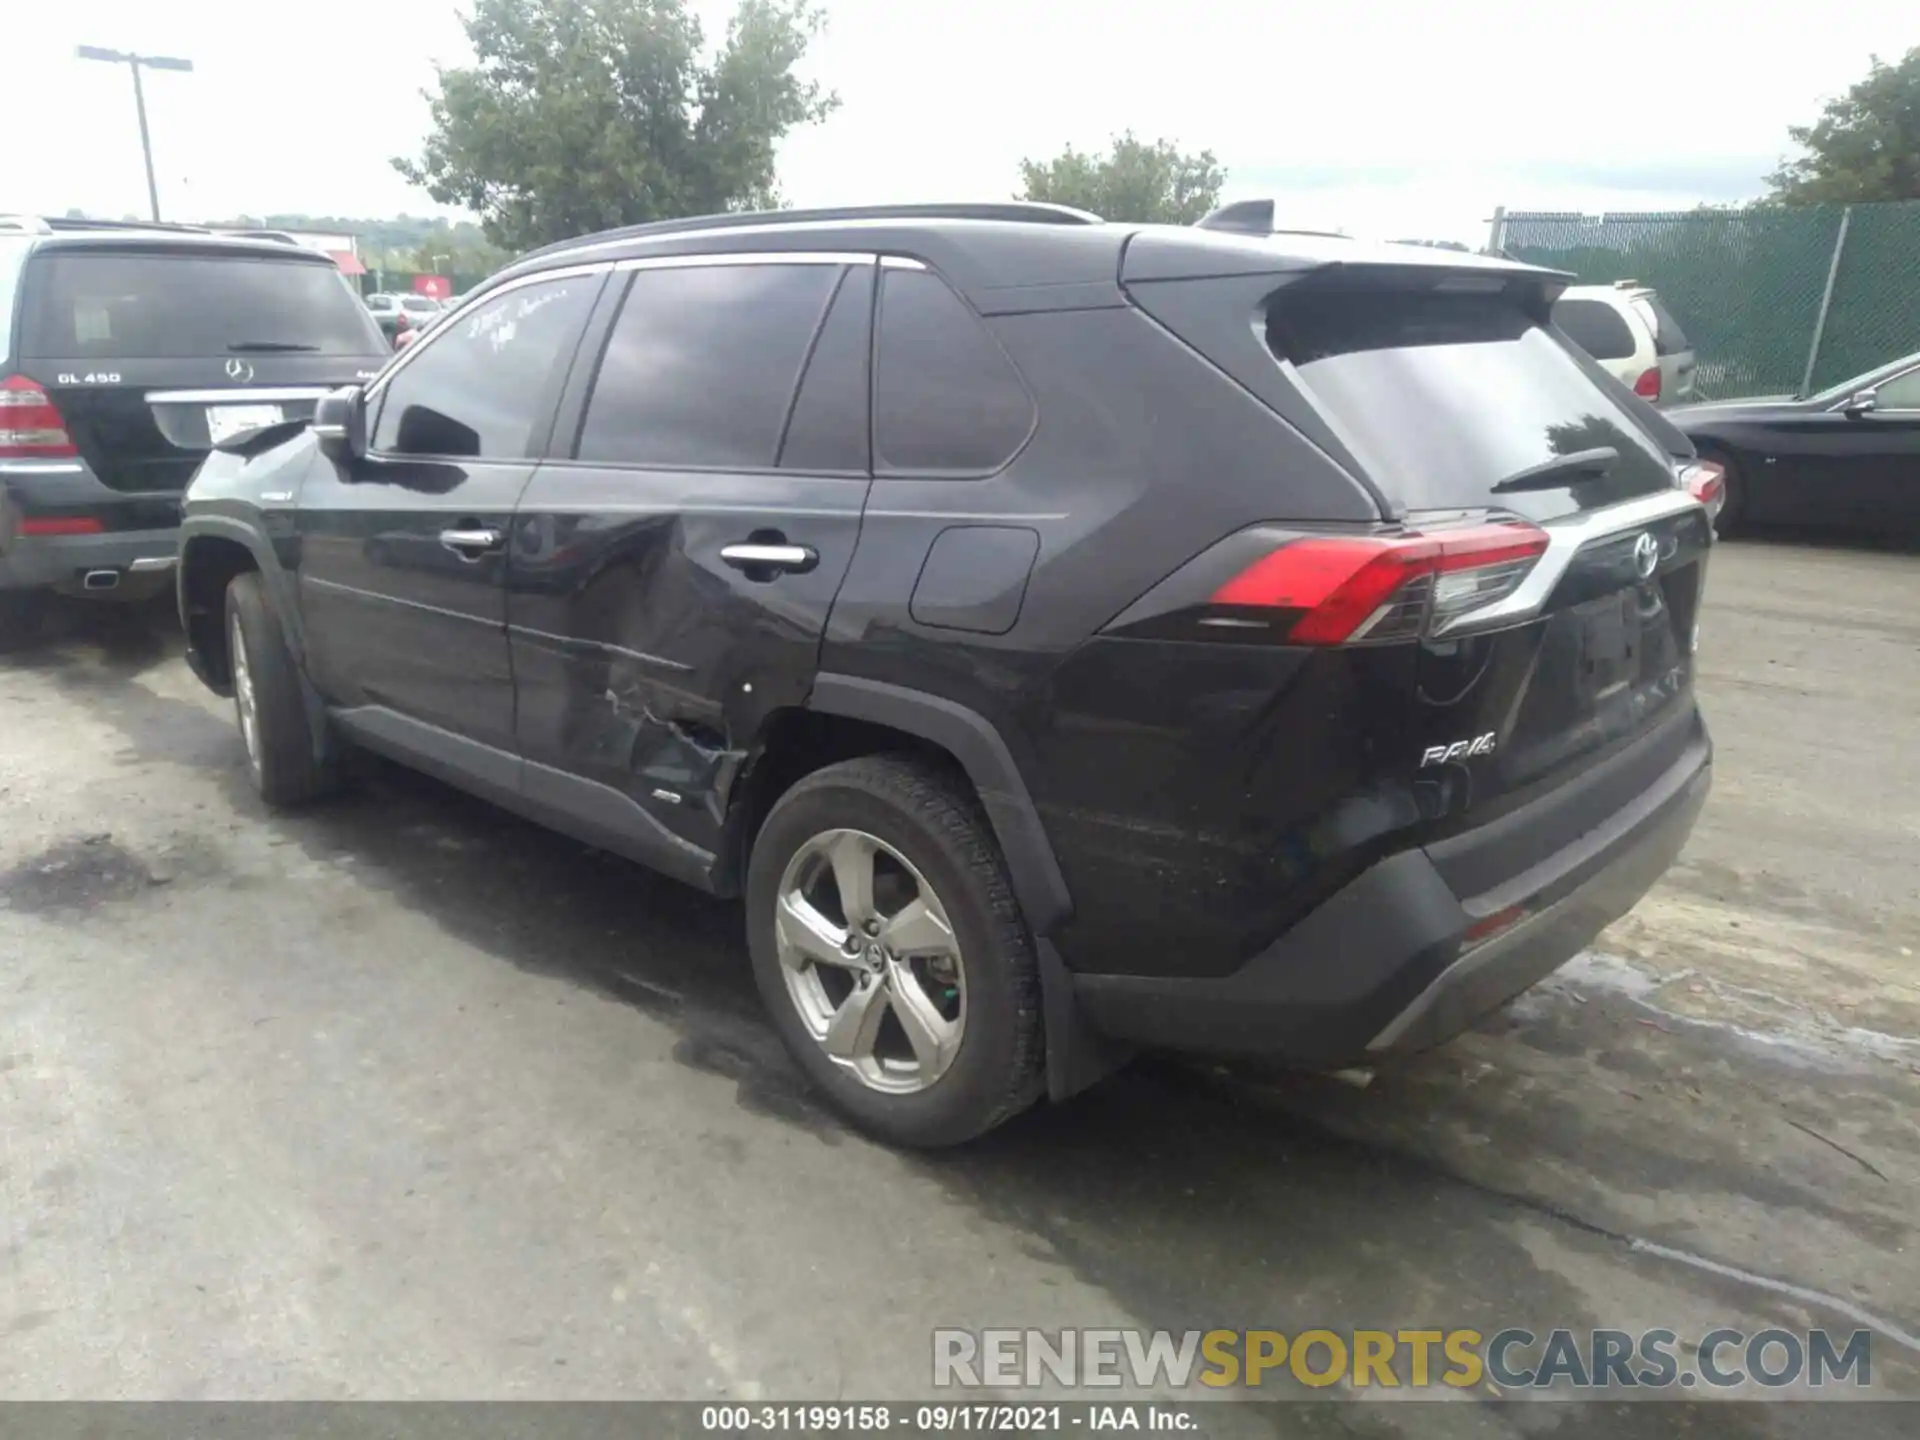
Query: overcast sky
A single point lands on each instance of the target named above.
(1390, 119)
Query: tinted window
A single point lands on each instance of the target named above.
(481, 385)
(1596, 327)
(1668, 337)
(1900, 393)
(152, 306)
(828, 428)
(701, 365)
(946, 400)
(1447, 395)
(13, 254)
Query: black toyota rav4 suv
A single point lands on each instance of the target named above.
(125, 351)
(1065, 636)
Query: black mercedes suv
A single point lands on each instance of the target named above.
(125, 351)
(1065, 636)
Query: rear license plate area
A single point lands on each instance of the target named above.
(226, 420)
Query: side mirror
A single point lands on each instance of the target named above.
(340, 424)
(1863, 402)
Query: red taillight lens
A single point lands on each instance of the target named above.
(58, 525)
(1647, 387)
(1706, 481)
(30, 425)
(1376, 587)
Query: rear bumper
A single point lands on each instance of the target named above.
(142, 560)
(138, 552)
(1383, 967)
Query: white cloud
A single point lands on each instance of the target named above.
(1394, 118)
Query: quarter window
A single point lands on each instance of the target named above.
(946, 400)
(483, 387)
(1596, 327)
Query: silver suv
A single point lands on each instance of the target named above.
(1633, 336)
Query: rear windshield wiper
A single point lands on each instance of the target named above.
(255, 347)
(1562, 470)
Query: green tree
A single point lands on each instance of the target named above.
(579, 115)
(1865, 145)
(1149, 184)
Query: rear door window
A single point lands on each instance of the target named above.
(946, 400)
(1596, 327)
(1446, 395)
(702, 364)
(175, 306)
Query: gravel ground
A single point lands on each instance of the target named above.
(403, 1098)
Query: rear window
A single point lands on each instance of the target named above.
(13, 254)
(140, 307)
(1668, 337)
(1596, 327)
(1444, 396)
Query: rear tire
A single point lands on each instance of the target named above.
(268, 702)
(22, 613)
(957, 1045)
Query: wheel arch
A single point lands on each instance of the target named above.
(214, 549)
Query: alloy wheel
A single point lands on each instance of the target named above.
(243, 696)
(870, 961)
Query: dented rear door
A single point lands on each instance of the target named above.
(672, 567)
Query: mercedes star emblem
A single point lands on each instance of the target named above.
(240, 370)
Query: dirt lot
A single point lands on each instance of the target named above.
(404, 1098)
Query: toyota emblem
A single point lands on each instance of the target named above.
(240, 370)
(1646, 555)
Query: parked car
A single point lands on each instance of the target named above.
(1846, 458)
(402, 317)
(124, 353)
(1633, 336)
(1054, 662)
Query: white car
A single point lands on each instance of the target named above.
(1633, 336)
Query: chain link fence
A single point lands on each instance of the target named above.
(1776, 300)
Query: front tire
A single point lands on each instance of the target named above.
(891, 953)
(282, 758)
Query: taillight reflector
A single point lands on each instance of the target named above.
(30, 423)
(1345, 585)
(58, 525)
(1647, 387)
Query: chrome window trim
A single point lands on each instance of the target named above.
(1839, 406)
(1565, 539)
(238, 396)
(746, 257)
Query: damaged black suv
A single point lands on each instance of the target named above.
(1065, 636)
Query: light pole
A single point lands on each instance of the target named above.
(134, 62)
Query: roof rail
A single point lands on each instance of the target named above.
(1030, 212)
(24, 225)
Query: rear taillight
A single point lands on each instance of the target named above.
(1378, 588)
(30, 424)
(1647, 387)
(1705, 480)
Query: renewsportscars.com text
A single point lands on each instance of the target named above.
(1460, 1359)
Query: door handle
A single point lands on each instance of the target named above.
(794, 559)
(472, 544)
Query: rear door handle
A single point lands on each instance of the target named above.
(472, 544)
(794, 559)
